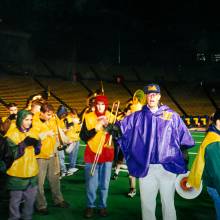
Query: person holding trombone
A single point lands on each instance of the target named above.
(98, 156)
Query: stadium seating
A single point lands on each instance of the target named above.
(18, 87)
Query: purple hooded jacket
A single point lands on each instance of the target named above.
(154, 138)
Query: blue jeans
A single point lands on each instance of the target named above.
(73, 155)
(216, 199)
(62, 161)
(100, 180)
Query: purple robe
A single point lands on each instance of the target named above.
(154, 138)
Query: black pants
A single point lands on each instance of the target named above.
(4, 196)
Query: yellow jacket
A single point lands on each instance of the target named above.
(99, 139)
(73, 132)
(195, 176)
(48, 142)
(25, 166)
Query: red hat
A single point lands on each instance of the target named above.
(102, 98)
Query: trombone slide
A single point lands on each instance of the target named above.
(114, 113)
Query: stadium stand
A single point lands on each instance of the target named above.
(192, 98)
(16, 88)
(18, 83)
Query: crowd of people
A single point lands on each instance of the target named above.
(148, 137)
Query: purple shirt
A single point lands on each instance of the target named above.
(154, 138)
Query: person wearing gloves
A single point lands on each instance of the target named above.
(23, 141)
(93, 134)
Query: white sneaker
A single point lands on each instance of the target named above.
(71, 171)
(132, 193)
(62, 175)
(124, 166)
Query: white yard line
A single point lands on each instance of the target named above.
(197, 135)
(192, 153)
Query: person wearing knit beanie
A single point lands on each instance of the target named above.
(97, 146)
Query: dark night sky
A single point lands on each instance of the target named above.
(90, 11)
(152, 26)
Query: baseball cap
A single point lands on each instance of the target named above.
(152, 88)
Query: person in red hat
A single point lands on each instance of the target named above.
(97, 147)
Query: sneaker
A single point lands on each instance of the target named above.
(74, 169)
(115, 176)
(62, 204)
(124, 166)
(71, 171)
(62, 175)
(132, 193)
(89, 213)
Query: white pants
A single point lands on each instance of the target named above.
(158, 179)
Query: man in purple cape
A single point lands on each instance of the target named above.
(151, 141)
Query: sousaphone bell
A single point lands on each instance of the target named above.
(184, 189)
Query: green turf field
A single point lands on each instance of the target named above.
(121, 207)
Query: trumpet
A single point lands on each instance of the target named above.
(111, 119)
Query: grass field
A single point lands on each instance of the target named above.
(121, 207)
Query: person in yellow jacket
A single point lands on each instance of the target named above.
(136, 104)
(98, 156)
(71, 126)
(119, 157)
(206, 165)
(22, 174)
(47, 125)
(139, 100)
(9, 121)
(73, 131)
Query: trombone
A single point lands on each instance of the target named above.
(111, 119)
(114, 112)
